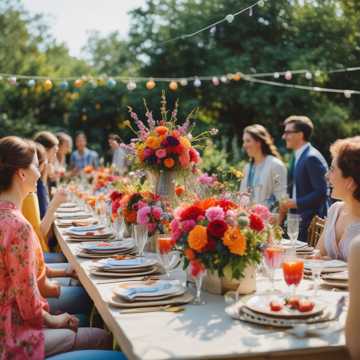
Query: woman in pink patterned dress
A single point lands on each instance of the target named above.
(23, 312)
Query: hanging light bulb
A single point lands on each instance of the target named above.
(183, 82)
(347, 94)
(78, 83)
(31, 83)
(48, 84)
(173, 85)
(317, 73)
(288, 75)
(13, 80)
(229, 18)
(131, 85)
(197, 82)
(261, 3)
(251, 12)
(215, 81)
(308, 75)
(150, 84)
(111, 83)
(224, 79)
(64, 85)
(276, 75)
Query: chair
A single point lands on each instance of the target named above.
(315, 230)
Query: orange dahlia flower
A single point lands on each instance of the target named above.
(235, 240)
(198, 238)
(152, 142)
(169, 163)
(161, 130)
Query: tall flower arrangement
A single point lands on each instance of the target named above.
(165, 145)
(219, 234)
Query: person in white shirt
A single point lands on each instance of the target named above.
(119, 160)
(265, 176)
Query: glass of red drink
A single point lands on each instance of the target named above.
(273, 258)
(293, 270)
(168, 258)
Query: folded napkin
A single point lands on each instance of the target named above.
(84, 228)
(122, 263)
(132, 292)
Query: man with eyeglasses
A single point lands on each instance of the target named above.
(307, 185)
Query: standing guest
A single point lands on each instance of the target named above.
(51, 145)
(307, 185)
(119, 160)
(265, 174)
(343, 222)
(27, 329)
(65, 147)
(352, 329)
(83, 156)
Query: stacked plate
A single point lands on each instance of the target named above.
(128, 267)
(73, 214)
(327, 266)
(89, 233)
(149, 293)
(106, 249)
(67, 205)
(338, 280)
(74, 222)
(302, 249)
(67, 210)
(256, 309)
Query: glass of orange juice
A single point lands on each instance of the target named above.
(166, 254)
(293, 270)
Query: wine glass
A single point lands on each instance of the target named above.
(197, 272)
(316, 265)
(293, 270)
(164, 248)
(293, 225)
(141, 237)
(273, 258)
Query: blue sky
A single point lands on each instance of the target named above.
(70, 20)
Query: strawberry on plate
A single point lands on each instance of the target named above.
(305, 305)
(276, 305)
(292, 302)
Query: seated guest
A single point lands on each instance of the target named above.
(352, 330)
(31, 209)
(65, 147)
(119, 160)
(265, 174)
(343, 222)
(28, 330)
(307, 186)
(83, 156)
(48, 179)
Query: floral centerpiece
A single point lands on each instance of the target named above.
(165, 147)
(220, 236)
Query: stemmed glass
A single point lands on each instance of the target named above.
(197, 272)
(316, 265)
(293, 269)
(141, 237)
(273, 258)
(164, 248)
(119, 227)
(293, 225)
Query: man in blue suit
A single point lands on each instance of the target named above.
(307, 185)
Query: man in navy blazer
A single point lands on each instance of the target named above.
(307, 184)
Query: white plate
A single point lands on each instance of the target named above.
(261, 304)
(136, 263)
(335, 284)
(166, 287)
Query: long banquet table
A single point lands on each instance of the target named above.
(200, 332)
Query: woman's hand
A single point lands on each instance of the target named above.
(70, 271)
(62, 321)
(59, 198)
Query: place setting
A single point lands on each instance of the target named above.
(66, 223)
(71, 215)
(104, 249)
(90, 233)
(338, 280)
(149, 296)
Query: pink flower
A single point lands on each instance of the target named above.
(160, 153)
(156, 212)
(188, 225)
(178, 211)
(206, 179)
(175, 230)
(262, 211)
(143, 215)
(230, 217)
(148, 152)
(151, 227)
(215, 213)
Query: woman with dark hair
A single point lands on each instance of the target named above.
(27, 329)
(265, 176)
(343, 221)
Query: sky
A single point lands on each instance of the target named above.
(70, 20)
